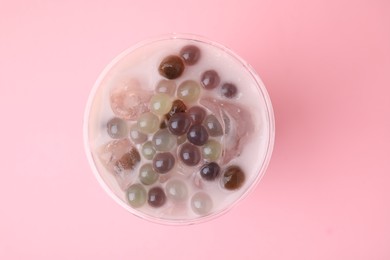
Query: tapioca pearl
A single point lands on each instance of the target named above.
(210, 79)
(211, 150)
(176, 190)
(166, 87)
(128, 161)
(179, 123)
(189, 154)
(156, 197)
(148, 123)
(197, 135)
(178, 106)
(148, 150)
(160, 104)
(136, 195)
(163, 162)
(233, 178)
(229, 90)
(171, 67)
(188, 91)
(147, 175)
(213, 126)
(197, 114)
(163, 140)
(190, 54)
(210, 171)
(201, 203)
(136, 135)
(117, 128)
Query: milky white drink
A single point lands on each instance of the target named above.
(179, 129)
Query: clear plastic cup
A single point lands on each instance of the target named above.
(206, 159)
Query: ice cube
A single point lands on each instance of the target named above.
(128, 100)
(237, 125)
(120, 158)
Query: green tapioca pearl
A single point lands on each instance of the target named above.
(147, 175)
(188, 91)
(148, 123)
(160, 104)
(148, 150)
(211, 150)
(136, 195)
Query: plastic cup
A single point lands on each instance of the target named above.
(134, 93)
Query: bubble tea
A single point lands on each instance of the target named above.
(178, 129)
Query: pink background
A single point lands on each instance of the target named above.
(326, 194)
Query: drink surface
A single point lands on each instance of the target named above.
(179, 143)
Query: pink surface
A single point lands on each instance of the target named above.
(326, 194)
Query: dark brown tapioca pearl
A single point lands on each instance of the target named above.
(210, 79)
(197, 135)
(128, 161)
(233, 178)
(190, 54)
(210, 171)
(189, 154)
(197, 114)
(213, 126)
(116, 128)
(171, 67)
(229, 90)
(179, 123)
(178, 106)
(163, 162)
(156, 197)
